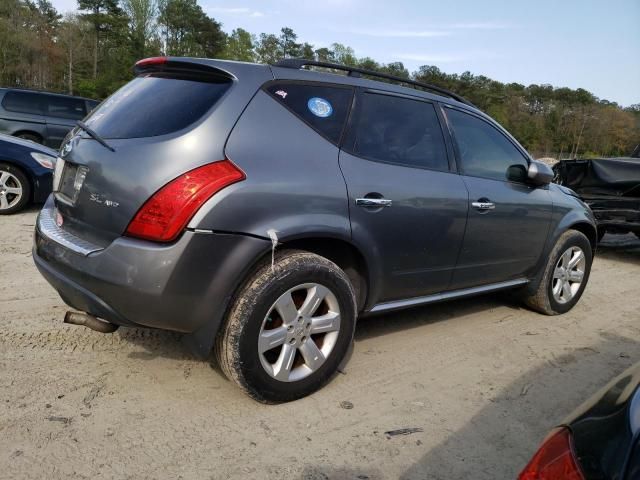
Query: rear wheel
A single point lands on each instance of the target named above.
(289, 328)
(15, 189)
(565, 276)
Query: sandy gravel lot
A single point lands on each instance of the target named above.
(484, 378)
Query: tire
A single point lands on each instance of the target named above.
(300, 277)
(544, 300)
(15, 189)
(30, 136)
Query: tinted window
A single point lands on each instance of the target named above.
(65, 108)
(323, 107)
(149, 106)
(23, 102)
(484, 151)
(399, 130)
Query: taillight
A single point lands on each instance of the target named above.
(151, 61)
(167, 212)
(554, 460)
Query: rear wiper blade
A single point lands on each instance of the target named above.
(94, 135)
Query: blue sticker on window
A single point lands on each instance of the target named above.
(320, 107)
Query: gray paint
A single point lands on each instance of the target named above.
(430, 244)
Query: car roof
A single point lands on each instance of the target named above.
(43, 92)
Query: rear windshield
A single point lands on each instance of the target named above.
(150, 105)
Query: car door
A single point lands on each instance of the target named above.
(508, 220)
(22, 113)
(406, 204)
(61, 114)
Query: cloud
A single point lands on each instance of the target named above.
(432, 58)
(400, 33)
(448, 57)
(480, 26)
(243, 11)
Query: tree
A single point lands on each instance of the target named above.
(240, 46)
(268, 48)
(142, 27)
(288, 43)
(104, 15)
(188, 31)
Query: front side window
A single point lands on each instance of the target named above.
(323, 107)
(400, 131)
(61, 107)
(23, 102)
(484, 151)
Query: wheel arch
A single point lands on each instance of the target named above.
(30, 132)
(341, 252)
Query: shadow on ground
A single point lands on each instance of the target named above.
(526, 410)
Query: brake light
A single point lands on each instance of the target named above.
(151, 61)
(554, 460)
(167, 212)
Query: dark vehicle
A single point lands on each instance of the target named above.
(599, 441)
(266, 207)
(26, 169)
(610, 186)
(41, 117)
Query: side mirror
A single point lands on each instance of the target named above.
(539, 174)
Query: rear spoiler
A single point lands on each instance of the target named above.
(180, 68)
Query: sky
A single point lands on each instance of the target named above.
(587, 44)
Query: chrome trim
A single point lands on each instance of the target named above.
(48, 228)
(373, 202)
(438, 297)
(483, 205)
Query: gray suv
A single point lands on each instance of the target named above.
(262, 209)
(41, 117)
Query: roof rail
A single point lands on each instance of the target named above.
(298, 63)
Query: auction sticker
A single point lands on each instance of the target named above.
(320, 107)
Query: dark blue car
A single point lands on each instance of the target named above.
(26, 170)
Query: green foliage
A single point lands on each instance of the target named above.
(91, 54)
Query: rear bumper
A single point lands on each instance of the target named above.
(185, 286)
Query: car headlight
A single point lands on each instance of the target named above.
(47, 161)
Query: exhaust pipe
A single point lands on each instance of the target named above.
(89, 321)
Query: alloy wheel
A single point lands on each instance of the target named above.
(10, 190)
(299, 332)
(568, 275)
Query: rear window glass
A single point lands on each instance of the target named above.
(61, 107)
(23, 102)
(149, 106)
(322, 107)
(401, 131)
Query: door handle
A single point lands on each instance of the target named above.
(373, 202)
(483, 205)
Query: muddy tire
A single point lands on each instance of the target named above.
(289, 327)
(565, 275)
(15, 189)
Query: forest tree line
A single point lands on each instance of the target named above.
(91, 52)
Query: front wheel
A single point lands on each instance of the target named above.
(15, 189)
(289, 328)
(565, 275)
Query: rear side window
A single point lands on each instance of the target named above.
(401, 131)
(151, 105)
(61, 107)
(484, 151)
(323, 107)
(23, 102)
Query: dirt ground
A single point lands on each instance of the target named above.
(484, 378)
